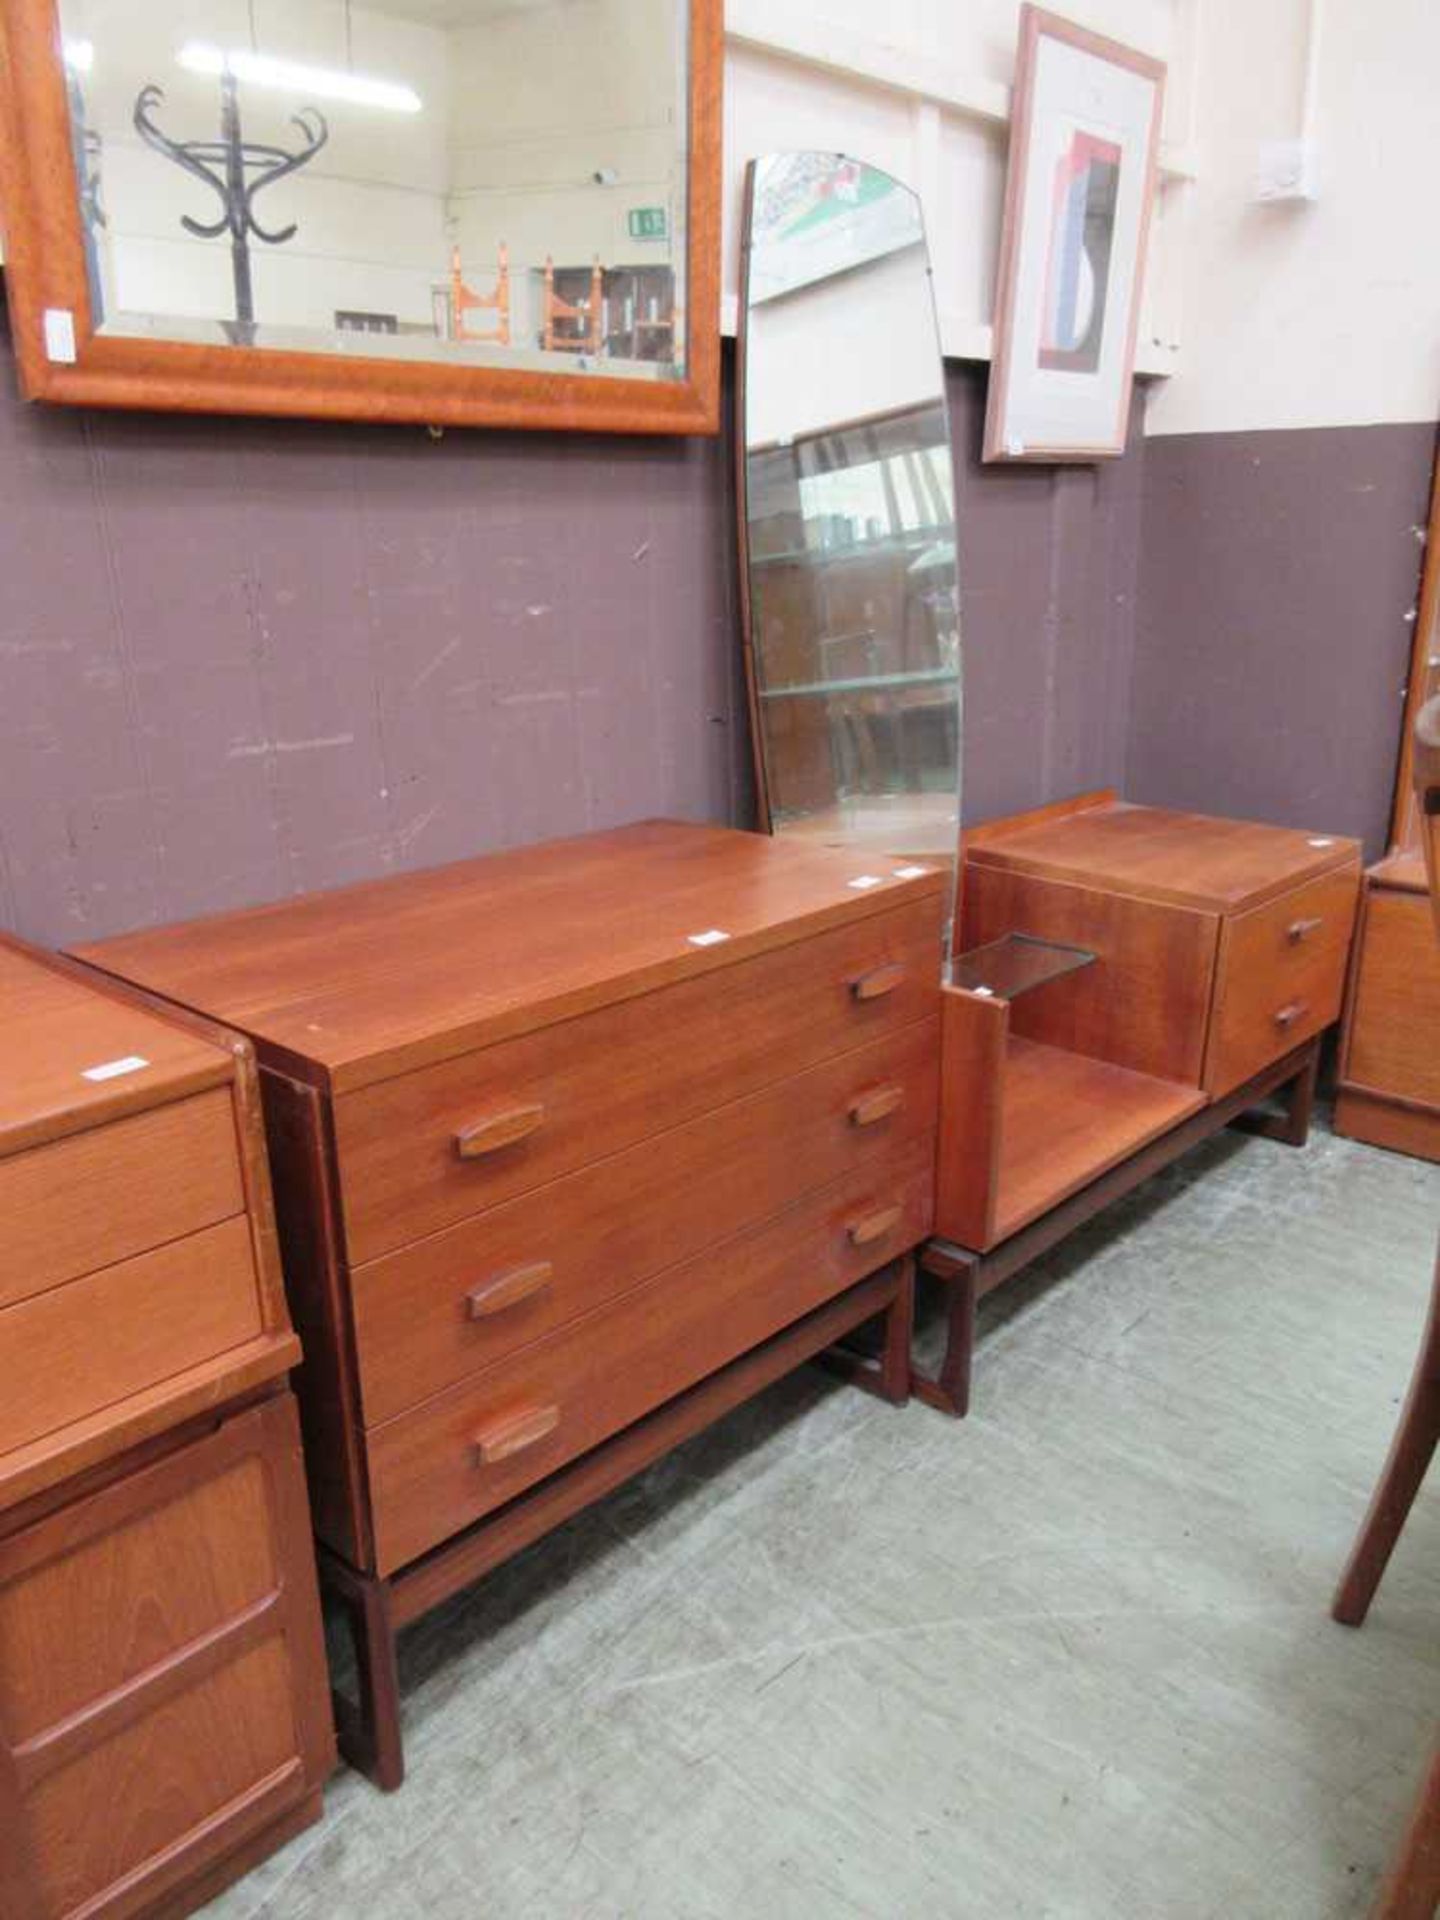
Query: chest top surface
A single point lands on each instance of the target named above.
(1186, 859)
(69, 1051)
(374, 979)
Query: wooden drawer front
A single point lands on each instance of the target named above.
(1393, 1046)
(1145, 1002)
(436, 1469)
(162, 1685)
(101, 1196)
(556, 1099)
(69, 1352)
(1280, 977)
(436, 1311)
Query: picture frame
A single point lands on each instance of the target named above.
(1079, 195)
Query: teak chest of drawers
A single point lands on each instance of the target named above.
(1130, 980)
(574, 1147)
(164, 1719)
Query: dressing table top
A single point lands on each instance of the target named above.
(371, 980)
(1150, 853)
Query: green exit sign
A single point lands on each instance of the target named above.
(647, 223)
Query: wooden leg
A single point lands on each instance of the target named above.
(1409, 1456)
(1411, 1887)
(882, 1369)
(899, 1331)
(950, 1389)
(368, 1729)
(1291, 1128)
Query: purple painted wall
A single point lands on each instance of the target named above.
(240, 659)
(1277, 574)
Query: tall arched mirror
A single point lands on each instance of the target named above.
(847, 520)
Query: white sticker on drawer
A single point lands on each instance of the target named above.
(114, 1069)
(1322, 843)
(865, 880)
(911, 873)
(712, 937)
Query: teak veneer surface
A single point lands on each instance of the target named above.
(56, 1028)
(1067, 1119)
(369, 981)
(1149, 853)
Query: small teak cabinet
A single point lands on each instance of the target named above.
(574, 1147)
(163, 1714)
(1129, 980)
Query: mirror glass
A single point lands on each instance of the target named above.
(849, 535)
(479, 182)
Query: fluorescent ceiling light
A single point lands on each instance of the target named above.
(289, 76)
(79, 55)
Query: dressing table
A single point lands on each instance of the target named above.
(574, 1148)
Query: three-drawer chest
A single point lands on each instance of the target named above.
(574, 1147)
(164, 1718)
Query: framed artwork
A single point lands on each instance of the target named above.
(1084, 147)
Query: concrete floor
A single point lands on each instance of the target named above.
(1070, 1657)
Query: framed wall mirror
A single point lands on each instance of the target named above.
(478, 212)
(847, 512)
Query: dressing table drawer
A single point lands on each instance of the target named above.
(459, 1300)
(1280, 977)
(425, 1149)
(442, 1466)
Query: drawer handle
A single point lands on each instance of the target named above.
(868, 1108)
(1287, 1016)
(513, 1432)
(498, 1130)
(1299, 929)
(874, 986)
(509, 1289)
(873, 1226)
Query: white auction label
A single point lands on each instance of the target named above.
(114, 1069)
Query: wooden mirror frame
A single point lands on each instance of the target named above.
(45, 270)
(1405, 816)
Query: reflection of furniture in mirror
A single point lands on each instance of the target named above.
(1129, 980)
(1412, 1881)
(537, 1226)
(847, 519)
(1389, 1091)
(464, 299)
(268, 211)
(573, 324)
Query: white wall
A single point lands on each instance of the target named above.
(922, 89)
(1325, 314)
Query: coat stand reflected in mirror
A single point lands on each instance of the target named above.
(226, 166)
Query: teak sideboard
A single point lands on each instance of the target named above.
(164, 1718)
(574, 1148)
(1130, 979)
